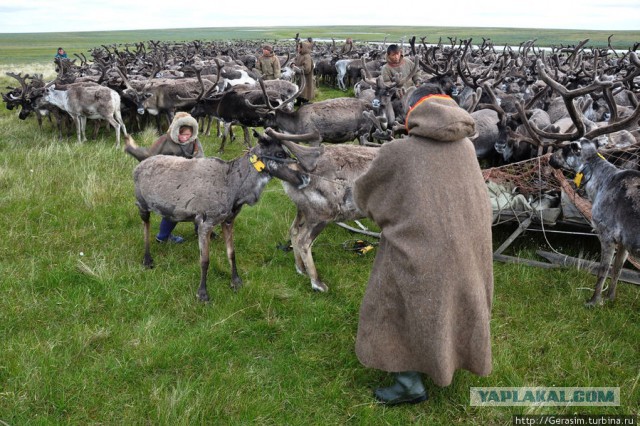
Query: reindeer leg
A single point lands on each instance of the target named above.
(159, 123)
(147, 260)
(218, 128)
(59, 125)
(303, 234)
(247, 137)
(294, 234)
(204, 124)
(79, 130)
(209, 121)
(204, 232)
(70, 121)
(225, 135)
(116, 127)
(227, 232)
(618, 261)
(607, 252)
(121, 126)
(83, 120)
(316, 283)
(96, 129)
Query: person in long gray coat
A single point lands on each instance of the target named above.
(427, 306)
(305, 62)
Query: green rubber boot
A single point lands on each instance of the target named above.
(408, 389)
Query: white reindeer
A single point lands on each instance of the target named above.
(88, 100)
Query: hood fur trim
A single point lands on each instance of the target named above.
(182, 119)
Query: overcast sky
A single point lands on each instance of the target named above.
(20, 16)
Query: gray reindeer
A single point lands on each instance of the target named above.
(210, 191)
(615, 197)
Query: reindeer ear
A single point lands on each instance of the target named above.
(599, 142)
(307, 155)
(576, 146)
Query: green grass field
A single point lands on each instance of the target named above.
(36, 47)
(88, 336)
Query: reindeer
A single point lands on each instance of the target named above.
(336, 120)
(615, 210)
(162, 96)
(87, 100)
(237, 104)
(328, 196)
(212, 192)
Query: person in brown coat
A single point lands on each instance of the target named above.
(347, 47)
(171, 143)
(182, 140)
(398, 67)
(305, 62)
(268, 64)
(427, 305)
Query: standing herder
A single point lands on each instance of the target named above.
(398, 67)
(427, 305)
(268, 64)
(347, 47)
(305, 63)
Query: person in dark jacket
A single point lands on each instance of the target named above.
(182, 140)
(60, 54)
(427, 306)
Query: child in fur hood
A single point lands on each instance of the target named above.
(182, 140)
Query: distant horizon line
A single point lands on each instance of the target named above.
(271, 27)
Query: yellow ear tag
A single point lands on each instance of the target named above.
(257, 163)
(578, 179)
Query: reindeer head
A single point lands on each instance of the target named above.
(276, 154)
(575, 155)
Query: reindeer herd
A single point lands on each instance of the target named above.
(526, 101)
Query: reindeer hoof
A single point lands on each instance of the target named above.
(147, 262)
(319, 287)
(203, 296)
(592, 303)
(236, 283)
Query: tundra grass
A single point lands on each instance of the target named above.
(26, 48)
(89, 336)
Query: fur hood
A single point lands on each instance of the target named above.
(182, 119)
(305, 47)
(438, 117)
